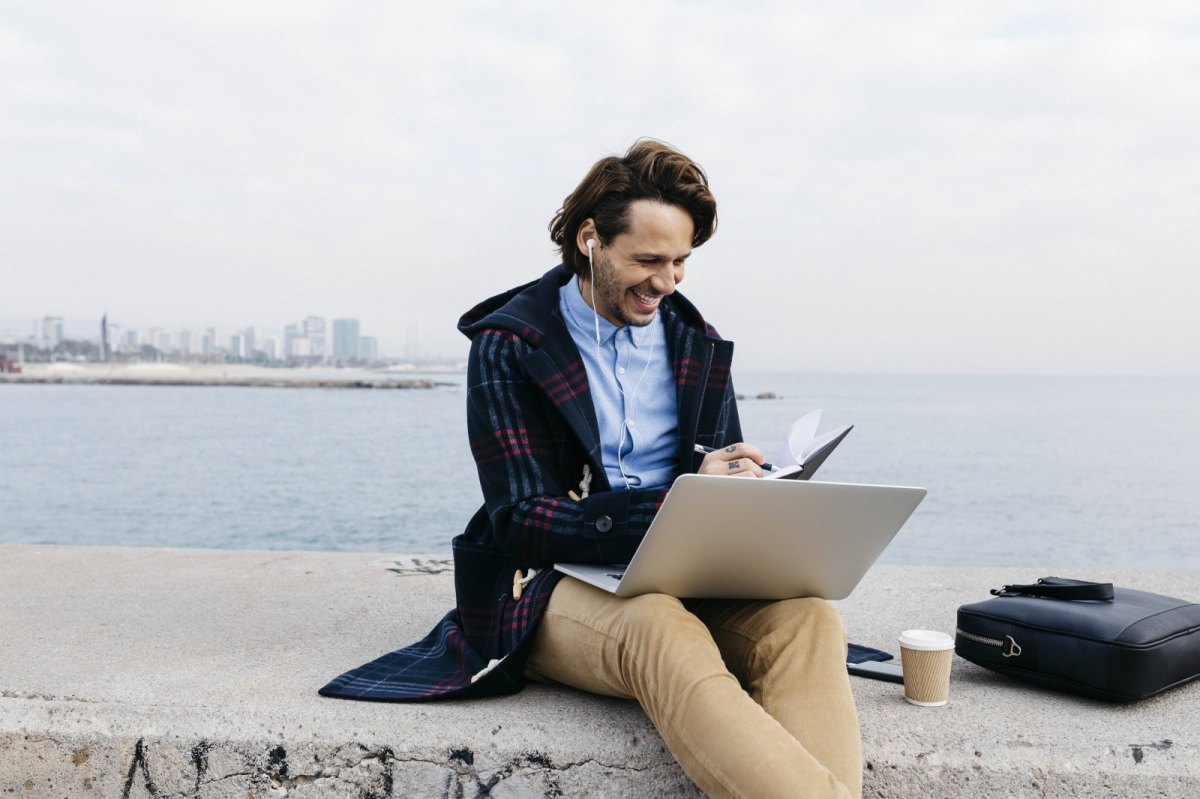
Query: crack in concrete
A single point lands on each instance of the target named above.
(273, 772)
(196, 790)
(591, 761)
(384, 757)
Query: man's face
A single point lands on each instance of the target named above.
(640, 267)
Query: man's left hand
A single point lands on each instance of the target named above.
(736, 460)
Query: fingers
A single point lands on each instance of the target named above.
(738, 460)
(742, 449)
(744, 468)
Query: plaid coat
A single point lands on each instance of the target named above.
(532, 428)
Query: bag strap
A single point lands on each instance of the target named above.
(1059, 588)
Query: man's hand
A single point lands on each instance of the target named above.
(736, 460)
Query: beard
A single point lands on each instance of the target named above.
(610, 298)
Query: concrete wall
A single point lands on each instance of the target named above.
(192, 673)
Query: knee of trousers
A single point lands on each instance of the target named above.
(806, 621)
(651, 612)
(656, 621)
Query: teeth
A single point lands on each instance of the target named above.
(647, 300)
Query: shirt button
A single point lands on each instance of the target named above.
(604, 524)
(621, 370)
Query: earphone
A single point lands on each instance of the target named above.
(591, 244)
(592, 283)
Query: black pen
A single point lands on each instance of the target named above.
(703, 450)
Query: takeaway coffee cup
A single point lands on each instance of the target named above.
(925, 658)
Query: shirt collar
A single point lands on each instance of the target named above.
(581, 318)
(581, 315)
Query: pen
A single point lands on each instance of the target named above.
(703, 450)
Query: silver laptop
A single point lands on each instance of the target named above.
(758, 539)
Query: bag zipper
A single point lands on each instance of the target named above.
(1009, 647)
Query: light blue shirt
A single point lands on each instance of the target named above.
(633, 390)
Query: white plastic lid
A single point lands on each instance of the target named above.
(928, 640)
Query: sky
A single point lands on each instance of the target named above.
(902, 187)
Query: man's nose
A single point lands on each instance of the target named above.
(663, 280)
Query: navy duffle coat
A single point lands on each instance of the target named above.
(532, 428)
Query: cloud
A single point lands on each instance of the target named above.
(915, 187)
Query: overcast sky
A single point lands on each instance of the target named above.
(902, 187)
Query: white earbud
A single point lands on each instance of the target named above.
(592, 284)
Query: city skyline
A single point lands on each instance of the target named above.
(305, 340)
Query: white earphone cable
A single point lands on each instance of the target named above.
(632, 399)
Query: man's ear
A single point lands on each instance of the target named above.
(586, 231)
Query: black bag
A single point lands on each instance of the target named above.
(1085, 638)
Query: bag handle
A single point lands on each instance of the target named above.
(1059, 588)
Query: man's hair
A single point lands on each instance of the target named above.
(650, 170)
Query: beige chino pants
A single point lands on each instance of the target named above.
(792, 731)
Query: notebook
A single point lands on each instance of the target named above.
(748, 538)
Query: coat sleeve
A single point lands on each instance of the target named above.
(524, 490)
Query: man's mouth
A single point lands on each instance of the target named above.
(648, 300)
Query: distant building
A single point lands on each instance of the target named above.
(345, 339)
(290, 334)
(368, 348)
(213, 341)
(105, 342)
(237, 346)
(250, 342)
(52, 332)
(314, 331)
(270, 348)
(301, 348)
(129, 341)
(186, 343)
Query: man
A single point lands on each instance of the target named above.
(587, 392)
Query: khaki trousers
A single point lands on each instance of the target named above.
(752, 698)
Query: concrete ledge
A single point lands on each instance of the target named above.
(151, 672)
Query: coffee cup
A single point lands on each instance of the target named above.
(925, 657)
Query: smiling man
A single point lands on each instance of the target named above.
(588, 391)
(652, 254)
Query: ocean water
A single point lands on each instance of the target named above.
(1040, 472)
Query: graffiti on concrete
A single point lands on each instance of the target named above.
(410, 566)
(270, 770)
(1139, 750)
(200, 761)
(139, 762)
(465, 782)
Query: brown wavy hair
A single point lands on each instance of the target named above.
(650, 170)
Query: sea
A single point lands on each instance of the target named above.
(1054, 474)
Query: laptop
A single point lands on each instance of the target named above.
(742, 538)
